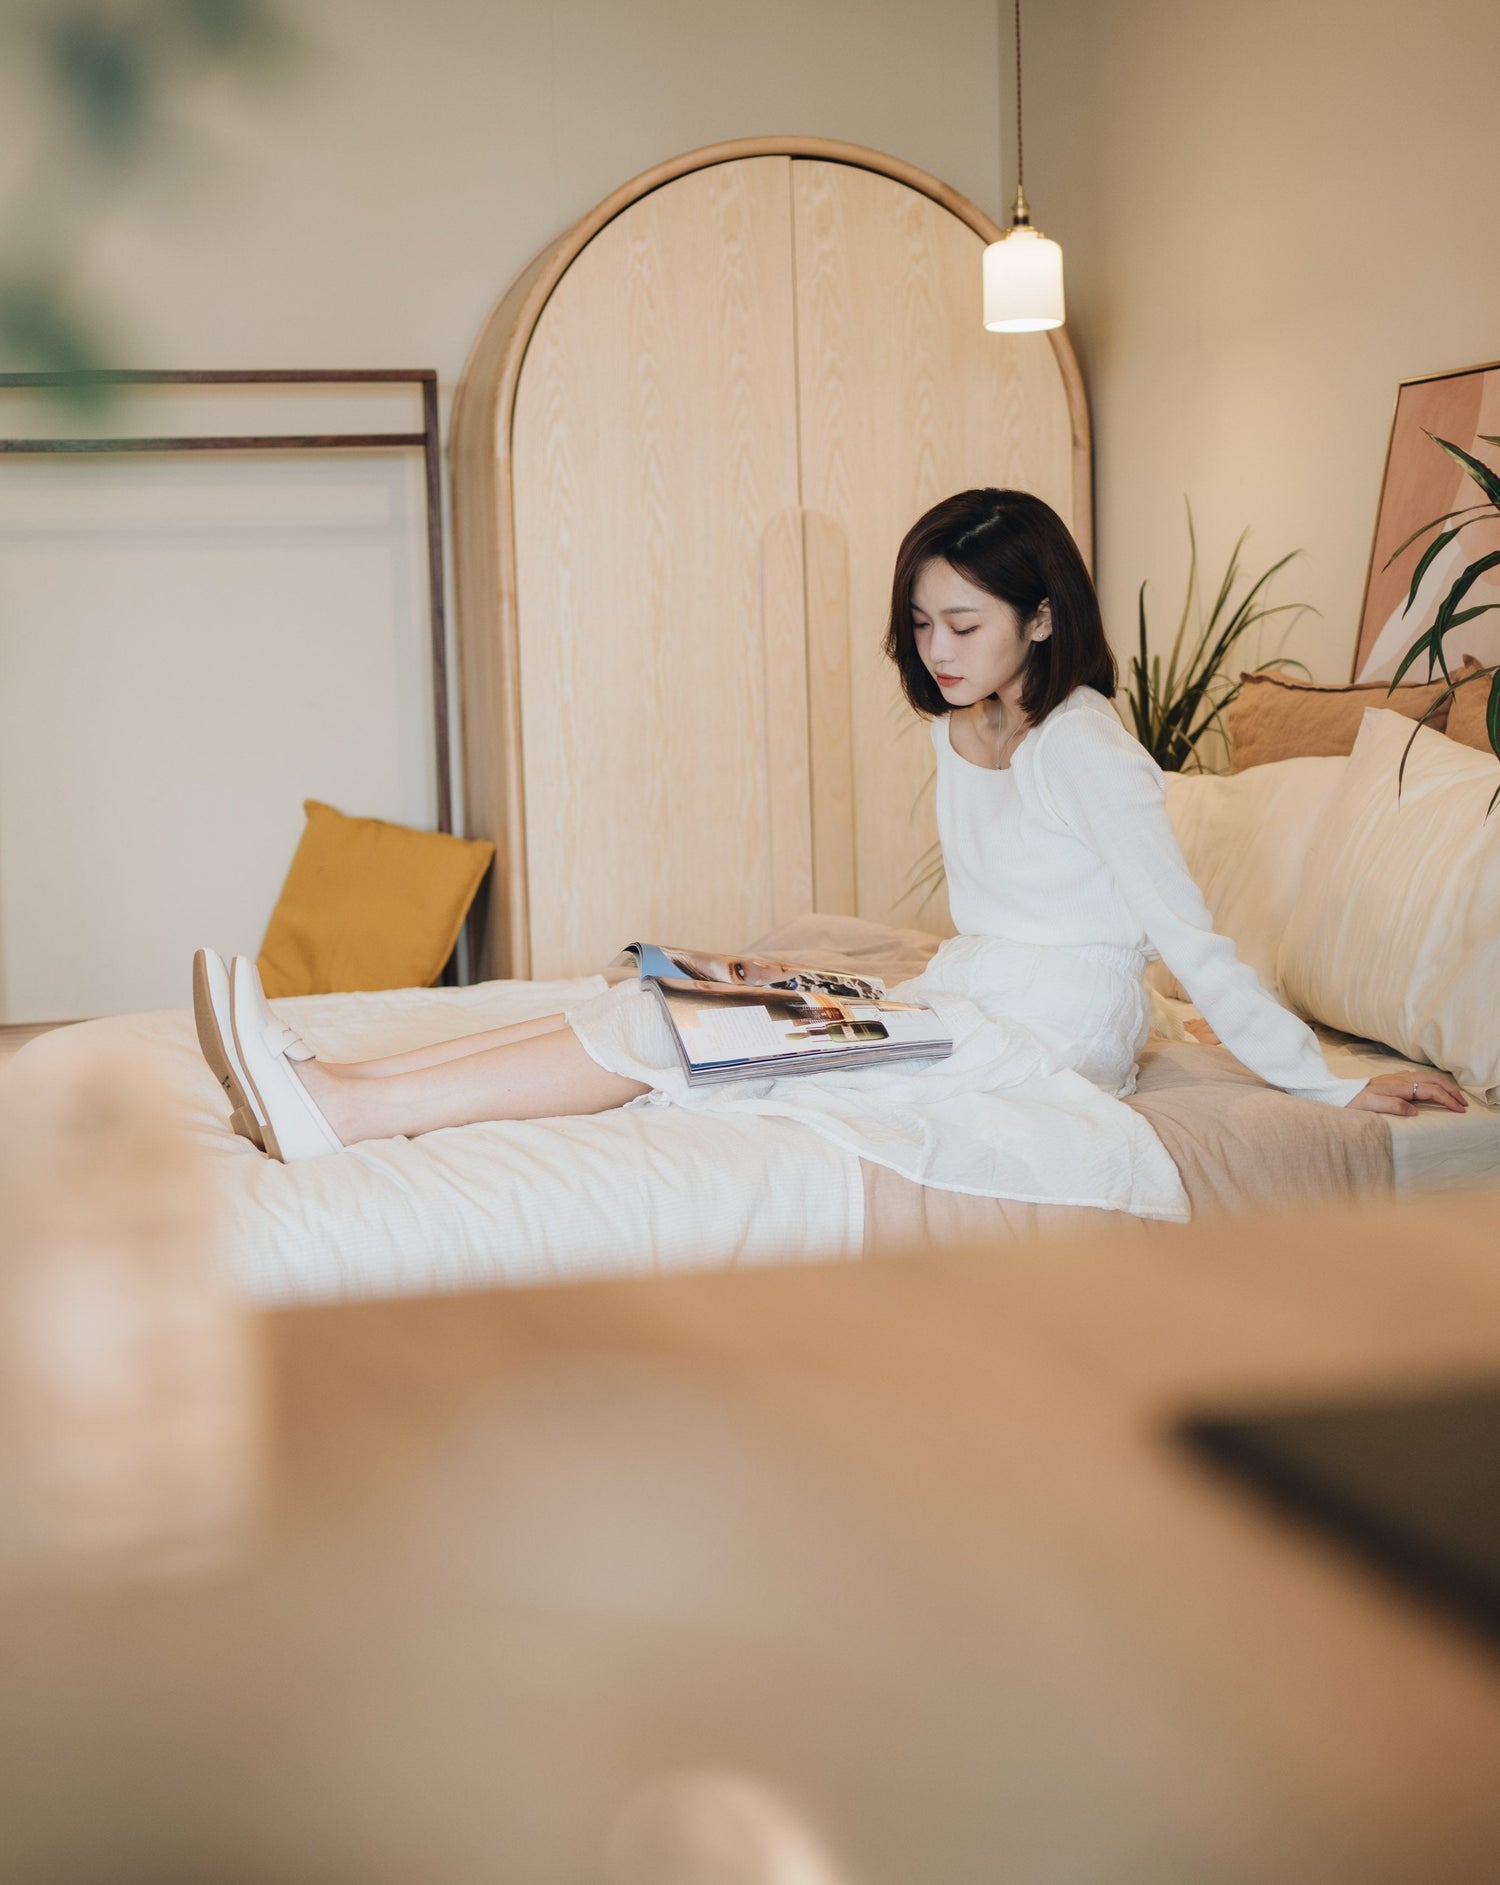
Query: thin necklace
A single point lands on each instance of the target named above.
(1006, 734)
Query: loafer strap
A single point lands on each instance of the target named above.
(286, 1040)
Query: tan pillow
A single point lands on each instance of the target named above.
(1395, 934)
(1466, 711)
(1276, 718)
(368, 904)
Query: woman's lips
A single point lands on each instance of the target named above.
(947, 680)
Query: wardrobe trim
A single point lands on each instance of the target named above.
(482, 496)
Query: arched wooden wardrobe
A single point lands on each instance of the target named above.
(685, 447)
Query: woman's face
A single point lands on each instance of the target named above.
(755, 970)
(971, 643)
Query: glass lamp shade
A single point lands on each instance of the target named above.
(1023, 283)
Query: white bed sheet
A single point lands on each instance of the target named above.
(640, 1191)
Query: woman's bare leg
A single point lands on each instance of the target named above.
(436, 1053)
(544, 1076)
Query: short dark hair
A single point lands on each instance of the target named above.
(1018, 548)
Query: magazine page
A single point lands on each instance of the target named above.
(681, 968)
(778, 1018)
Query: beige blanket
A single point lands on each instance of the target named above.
(1238, 1143)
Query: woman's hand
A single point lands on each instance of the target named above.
(1404, 1092)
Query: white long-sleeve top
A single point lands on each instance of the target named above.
(1071, 844)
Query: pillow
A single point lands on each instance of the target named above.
(1466, 711)
(367, 904)
(1276, 718)
(1245, 839)
(1396, 931)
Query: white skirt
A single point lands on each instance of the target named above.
(1027, 1106)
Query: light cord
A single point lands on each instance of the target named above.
(1020, 149)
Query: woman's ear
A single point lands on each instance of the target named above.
(1040, 625)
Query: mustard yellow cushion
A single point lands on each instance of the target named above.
(1275, 717)
(367, 904)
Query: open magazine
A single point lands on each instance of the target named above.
(743, 1017)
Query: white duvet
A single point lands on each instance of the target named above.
(629, 1193)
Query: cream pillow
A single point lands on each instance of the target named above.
(1396, 933)
(1245, 839)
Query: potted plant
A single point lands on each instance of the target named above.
(1172, 708)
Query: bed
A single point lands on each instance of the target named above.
(651, 1190)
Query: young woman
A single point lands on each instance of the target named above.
(1063, 875)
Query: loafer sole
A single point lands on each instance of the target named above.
(214, 1034)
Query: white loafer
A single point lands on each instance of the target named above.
(216, 1039)
(294, 1125)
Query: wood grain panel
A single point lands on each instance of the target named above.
(904, 398)
(830, 716)
(654, 439)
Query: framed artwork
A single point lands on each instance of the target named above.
(1421, 483)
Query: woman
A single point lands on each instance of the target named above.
(1063, 874)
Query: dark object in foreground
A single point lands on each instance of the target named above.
(1412, 1481)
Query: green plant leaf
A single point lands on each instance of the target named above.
(1448, 607)
(1405, 755)
(1422, 529)
(1437, 706)
(1426, 560)
(1487, 480)
(1492, 718)
(1424, 644)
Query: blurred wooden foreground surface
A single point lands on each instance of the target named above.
(903, 1545)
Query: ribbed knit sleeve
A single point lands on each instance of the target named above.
(1103, 785)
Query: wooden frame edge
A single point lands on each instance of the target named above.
(1417, 379)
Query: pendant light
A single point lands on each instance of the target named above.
(1023, 274)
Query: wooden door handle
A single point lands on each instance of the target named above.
(783, 601)
(830, 715)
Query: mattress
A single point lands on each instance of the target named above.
(640, 1191)
(645, 1191)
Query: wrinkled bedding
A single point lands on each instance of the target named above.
(644, 1191)
(1238, 1143)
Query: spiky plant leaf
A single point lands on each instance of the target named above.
(1487, 480)
(1432, 524)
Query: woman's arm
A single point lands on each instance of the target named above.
(1106, 788)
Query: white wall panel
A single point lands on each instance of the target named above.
(188, 648)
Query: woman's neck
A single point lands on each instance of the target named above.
(997, 726)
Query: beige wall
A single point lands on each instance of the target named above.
(1271, 214)
(186, 652)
